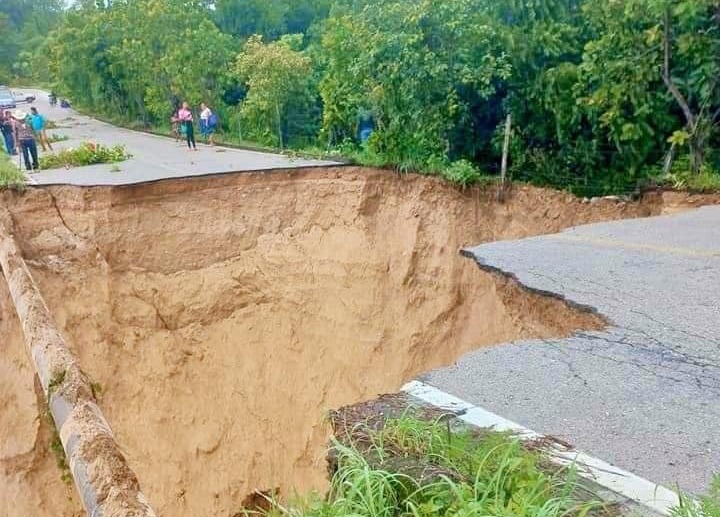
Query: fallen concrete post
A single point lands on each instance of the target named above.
(107, 485)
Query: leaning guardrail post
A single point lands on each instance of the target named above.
(107, 485)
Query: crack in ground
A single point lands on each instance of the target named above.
(645, 351)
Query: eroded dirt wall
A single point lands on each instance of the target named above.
(222, 317)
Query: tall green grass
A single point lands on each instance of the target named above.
(707, 505)
(415, 468)
(10, 176)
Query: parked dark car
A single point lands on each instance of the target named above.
(7, 100)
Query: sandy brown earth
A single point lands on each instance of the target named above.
(222, 318)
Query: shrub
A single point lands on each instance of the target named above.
(86, 154)
(462, 173)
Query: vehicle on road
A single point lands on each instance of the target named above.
(7, 100)
(23, 98)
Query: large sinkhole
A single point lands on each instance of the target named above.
(222, 318)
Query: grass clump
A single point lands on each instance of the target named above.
(416, 468)
(681, 177)
(87, 154)
(707, 505)
(706, 180)
(10, 175)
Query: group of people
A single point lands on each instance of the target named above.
(21, 132)
(183, 123)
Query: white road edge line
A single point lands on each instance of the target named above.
(29, 179)
(635, 488)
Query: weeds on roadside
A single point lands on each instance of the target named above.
(707, 505)
(86, 154)
(415, 468)
(10, 175)
(680, 176)
(706, 180)
(55, 137)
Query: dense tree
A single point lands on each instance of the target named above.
(416, 66)
(268, 18)
(652, 61)
(140, 56)
(603, 94)
(280, 96)
(24, 24)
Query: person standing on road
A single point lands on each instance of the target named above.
(208, 123)
(37, 121)
(185, 117)
(25, 140)
(175, 126)
(7, 128)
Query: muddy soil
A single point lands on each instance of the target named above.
(222, 318)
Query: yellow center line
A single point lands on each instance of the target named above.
(611, 243)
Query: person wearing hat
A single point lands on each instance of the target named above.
(25, 139)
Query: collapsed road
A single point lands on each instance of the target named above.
(644, 393)
(210, 313)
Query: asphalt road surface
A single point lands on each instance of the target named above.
(154, 157)
(644, 394)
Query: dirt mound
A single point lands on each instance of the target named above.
(222, 318)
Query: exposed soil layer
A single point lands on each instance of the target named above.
(221, 318)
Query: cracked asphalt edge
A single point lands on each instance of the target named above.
(496, 271)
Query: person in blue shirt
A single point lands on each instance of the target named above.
(366, 125)
(38, 123)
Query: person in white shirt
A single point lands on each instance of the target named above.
(208, 123)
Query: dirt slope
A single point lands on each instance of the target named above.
(223, 317)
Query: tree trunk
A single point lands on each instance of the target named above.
(696, 146)
(696, 143)
(669, 158)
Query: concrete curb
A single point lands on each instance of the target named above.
(640, 491)
(106, 484)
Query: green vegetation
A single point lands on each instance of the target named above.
(416, 468)
(86, 154)
(54, 137)
(601, 93)
(707, 505)
(24, 25)
(55, 382)
(10, 175)
(278, 77)
(55, 445)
